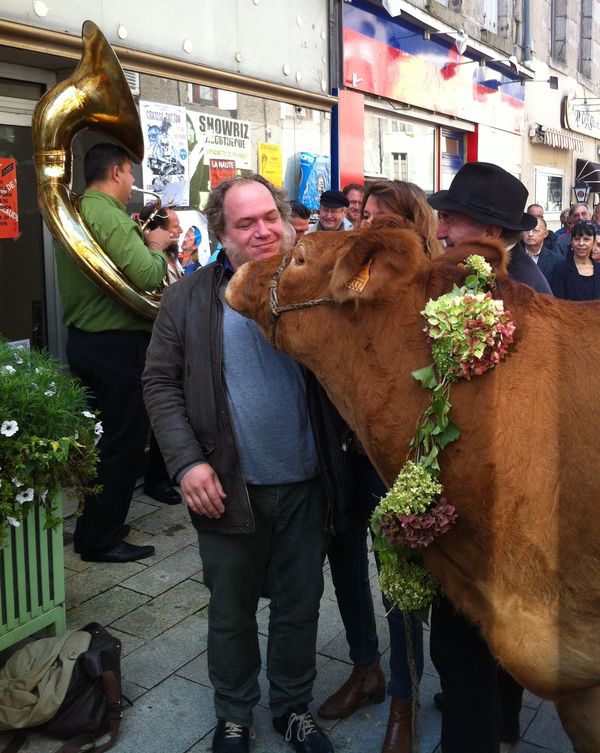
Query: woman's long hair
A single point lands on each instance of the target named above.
(409, 201)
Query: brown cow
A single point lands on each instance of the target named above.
(523, 560)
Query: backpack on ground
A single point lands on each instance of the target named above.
(67, 687)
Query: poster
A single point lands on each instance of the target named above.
(165, 166)
(9, 210)
(270, 162)
(191, 219)
(315, 177)
(214, 137)
(221, 170)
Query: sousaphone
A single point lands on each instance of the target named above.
(97, 97)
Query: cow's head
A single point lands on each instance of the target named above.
(372, 269)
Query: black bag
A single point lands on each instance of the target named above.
(92, 705)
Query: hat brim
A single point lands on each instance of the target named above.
(442, 200)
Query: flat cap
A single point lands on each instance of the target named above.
(334, 199)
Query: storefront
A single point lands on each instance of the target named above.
(263, 112)
(420, 107)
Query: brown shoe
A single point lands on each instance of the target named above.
(398, 736)
(364, 684)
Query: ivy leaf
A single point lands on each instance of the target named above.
(450, 434)
(426, 377)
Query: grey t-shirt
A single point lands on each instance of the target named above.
(266, 392)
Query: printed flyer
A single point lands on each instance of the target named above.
(165, 166)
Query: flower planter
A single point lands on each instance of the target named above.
(32, 579)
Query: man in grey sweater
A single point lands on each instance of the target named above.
(238, 429)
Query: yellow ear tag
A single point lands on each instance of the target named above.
(357, 284)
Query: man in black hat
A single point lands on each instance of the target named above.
(481, 702)
(332, 211)
(485, 201)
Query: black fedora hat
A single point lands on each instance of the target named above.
(488, 194)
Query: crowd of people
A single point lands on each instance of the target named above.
(273, 478)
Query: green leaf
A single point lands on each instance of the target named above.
(426, 377)
(450, 434)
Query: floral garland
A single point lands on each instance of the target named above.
(470, 333)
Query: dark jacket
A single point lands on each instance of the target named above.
(522, 268)
(566, 282)
(185, 397)
(546, 261)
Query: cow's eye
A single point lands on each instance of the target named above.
(299, 259)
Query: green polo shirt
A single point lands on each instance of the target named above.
(85, 305)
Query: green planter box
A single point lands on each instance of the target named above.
(32, 580)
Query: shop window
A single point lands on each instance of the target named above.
(204, 95)
(549, 191)
(217, 134)
(399, 149)
(585, 38)
(558, 21)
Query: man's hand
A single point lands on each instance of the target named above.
(203, 492)
(157, 239)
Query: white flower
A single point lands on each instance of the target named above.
(18, 360)
(16, 482)
(87, 414)
(13, 521)
(98, 431)
(9, 369)
(43, 495)
(9, 428)
(49, 393)
(25, 496)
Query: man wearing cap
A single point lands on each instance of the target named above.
(332, 212)
(483, 202)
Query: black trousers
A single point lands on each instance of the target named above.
(110, 365)
(469, 678)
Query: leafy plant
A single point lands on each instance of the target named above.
(48, 436)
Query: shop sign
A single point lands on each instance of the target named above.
(9, 211)
(581, 114)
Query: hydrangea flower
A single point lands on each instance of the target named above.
(9, 428)
(409, 586)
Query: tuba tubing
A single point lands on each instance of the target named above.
(96, 96)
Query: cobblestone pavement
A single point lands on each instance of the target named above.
(158, 608)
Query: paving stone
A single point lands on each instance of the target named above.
(105, 608)
(131, 691)
(170, 718)
(167, 542)
(165, 516)
(129, 643)
(95, 580)
(161, 657)
(546, 730)
(165, 610)
(139, 508)
(35, 743)
(74, 562)
(166, 573)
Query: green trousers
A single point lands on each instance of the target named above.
(282, 559)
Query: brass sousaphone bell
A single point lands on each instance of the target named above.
(97, 97)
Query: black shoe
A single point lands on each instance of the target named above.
(122, 552)
(230, 738)
(438, 701)
(300, 729)
(162, 491)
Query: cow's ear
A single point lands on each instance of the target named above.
(362, 270)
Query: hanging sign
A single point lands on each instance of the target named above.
(9, 210)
